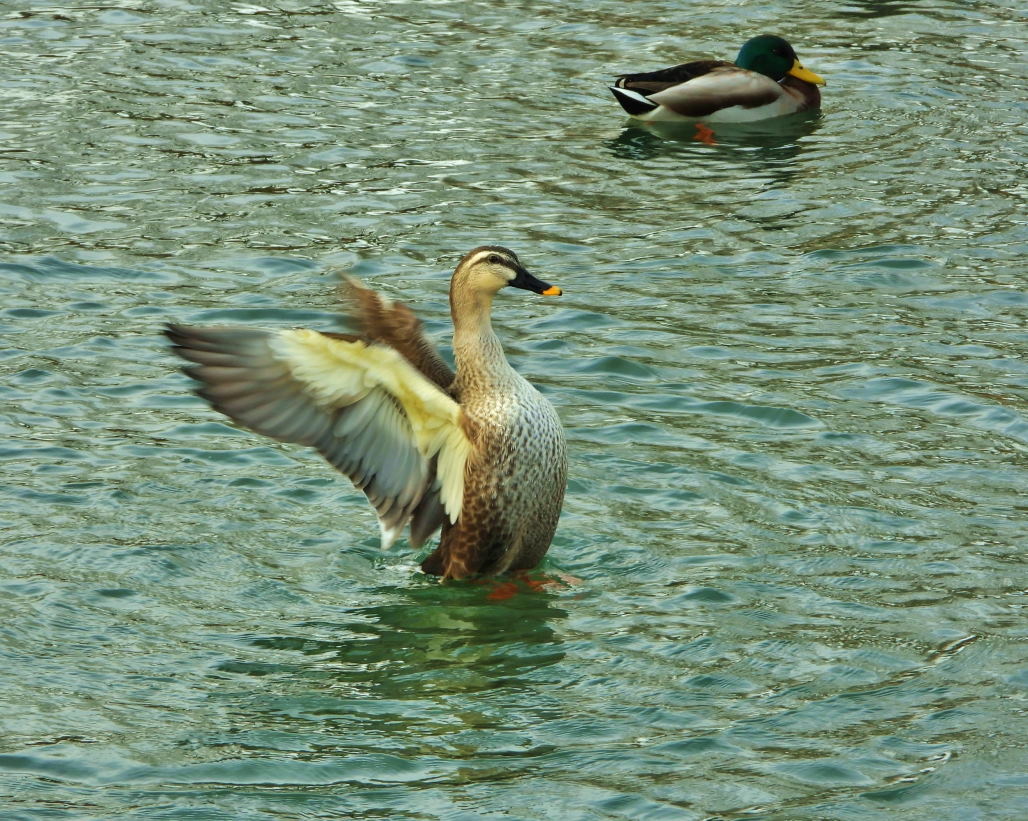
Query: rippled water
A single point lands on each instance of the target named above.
(790, 365)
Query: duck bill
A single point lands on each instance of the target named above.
(805, 74)
(525, 280)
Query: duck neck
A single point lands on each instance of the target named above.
(801, 89)
(476, 348)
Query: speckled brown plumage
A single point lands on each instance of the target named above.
(514, 483)
(517, 471)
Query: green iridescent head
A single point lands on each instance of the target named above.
(774, 57)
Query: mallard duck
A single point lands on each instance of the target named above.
(479, 453)
(766, 80)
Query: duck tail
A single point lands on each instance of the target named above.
(632, 101)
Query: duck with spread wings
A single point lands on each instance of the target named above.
(479, 454)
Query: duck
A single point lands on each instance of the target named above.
(766, 80)
(477, 453)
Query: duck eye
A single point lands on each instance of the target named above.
(494, 259)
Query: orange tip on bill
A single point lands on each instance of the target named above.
(553, 290)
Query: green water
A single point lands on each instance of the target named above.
(790, 366)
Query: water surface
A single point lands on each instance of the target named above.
(790, 365)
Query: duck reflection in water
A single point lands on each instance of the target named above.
(767, 148)
(433, 639)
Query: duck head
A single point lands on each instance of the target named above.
(488, 268)
(774, 57)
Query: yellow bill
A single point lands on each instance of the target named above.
(801, 73)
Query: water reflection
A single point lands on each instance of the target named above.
(436, 639)
(869, 9)
(773, 133)
(768, 148)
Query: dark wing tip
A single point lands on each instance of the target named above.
(176, 333)
(632, 102)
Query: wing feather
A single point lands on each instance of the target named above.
(650, 82)
(367, 409)
(333, 371)
(394, 324)
(717, 89)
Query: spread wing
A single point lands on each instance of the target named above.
(394, 324)
(717, 89)
(362, 405)
(650, 82)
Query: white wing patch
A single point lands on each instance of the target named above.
(337, 373)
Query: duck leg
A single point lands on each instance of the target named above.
(704, 134)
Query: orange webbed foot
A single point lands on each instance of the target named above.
(503, 591)
(521, 581)
(704, 134)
